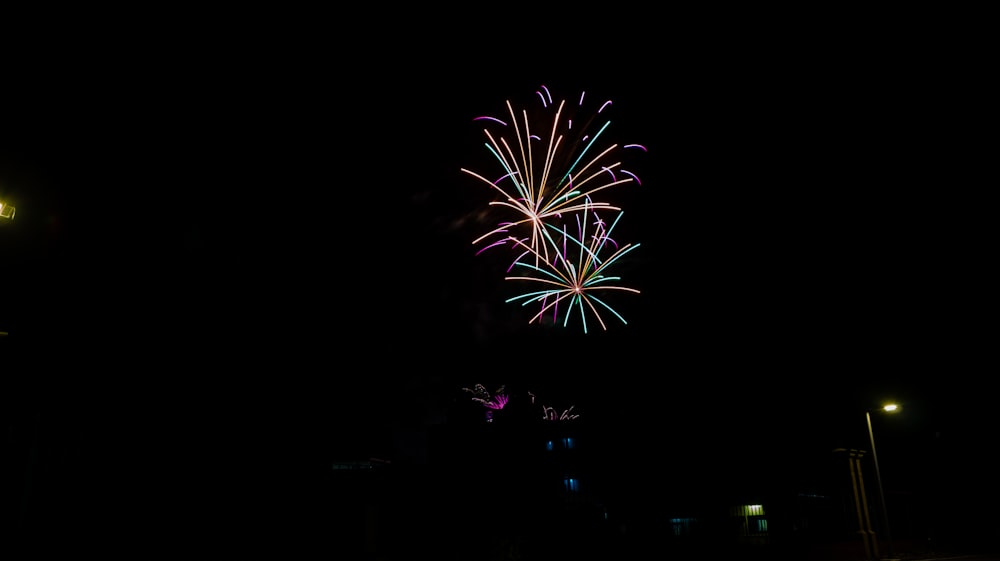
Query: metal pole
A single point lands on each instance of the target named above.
(861, 503)
(881, 494)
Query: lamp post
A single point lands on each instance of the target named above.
(6, 213)
(890, 408)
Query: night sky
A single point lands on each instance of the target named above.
(239, 254)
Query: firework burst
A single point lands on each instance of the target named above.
(576, 273)
(555, 172)
(546, 178)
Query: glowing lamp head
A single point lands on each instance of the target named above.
(6, 211)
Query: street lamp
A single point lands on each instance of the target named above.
(889, 408)
(6, 213)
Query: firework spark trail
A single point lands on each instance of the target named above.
(549, 414)
(575, 281)
(531, 193)
(496, 401)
